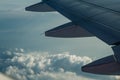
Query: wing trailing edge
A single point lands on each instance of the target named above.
(39, 7)
(68, 30)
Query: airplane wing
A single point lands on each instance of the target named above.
(68, 30)
(40, 7)
(101, 18)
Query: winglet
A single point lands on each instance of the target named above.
(39, 7)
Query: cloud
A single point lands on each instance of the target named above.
(44, 66)
(3, 77)
(117, 77)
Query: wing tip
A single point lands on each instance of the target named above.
(39, 7)
(27, 9)
(104, 66)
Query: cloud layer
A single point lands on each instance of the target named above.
(3, 77)
(44, 66)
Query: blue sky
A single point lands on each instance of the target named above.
(22, 29)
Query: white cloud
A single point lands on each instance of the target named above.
(3, 77)
(34, 66)
(117, 77)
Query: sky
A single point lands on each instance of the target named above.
(22, 35)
